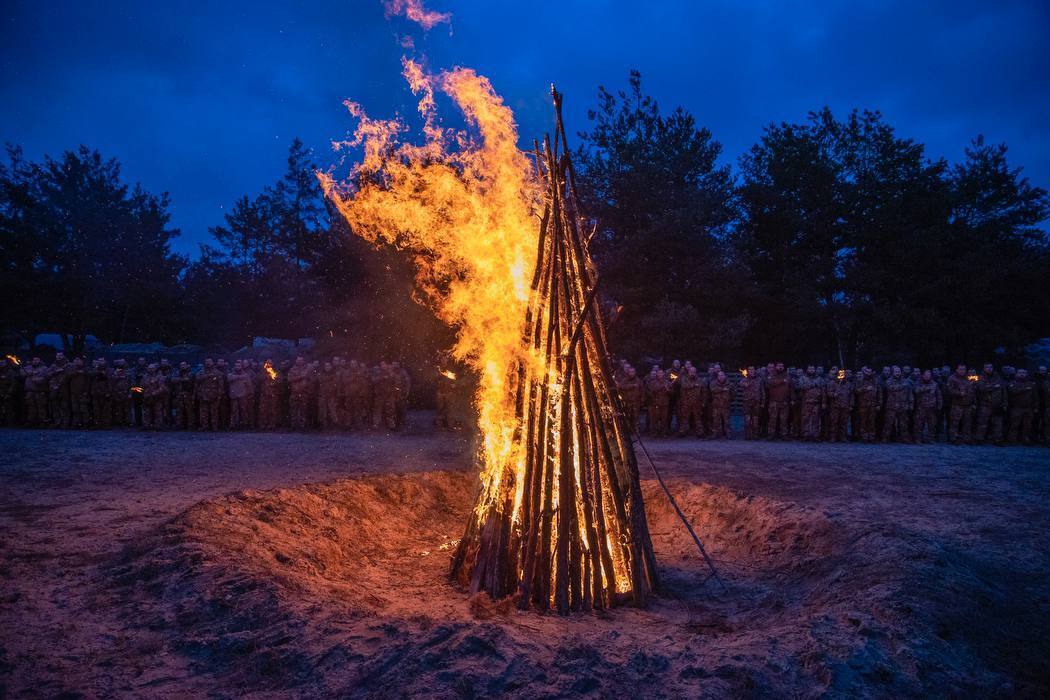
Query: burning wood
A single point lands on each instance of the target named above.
(558, 520)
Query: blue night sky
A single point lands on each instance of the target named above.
(202, 99)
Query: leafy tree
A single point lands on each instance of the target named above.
(86, 253)
(662, 206)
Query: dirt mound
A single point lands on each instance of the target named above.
(341, 588)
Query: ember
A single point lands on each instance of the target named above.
(559, 518)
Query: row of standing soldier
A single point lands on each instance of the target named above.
(902, 404)
(334, 394)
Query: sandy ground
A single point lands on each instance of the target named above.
(269, 565)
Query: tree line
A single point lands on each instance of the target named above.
(835, 239)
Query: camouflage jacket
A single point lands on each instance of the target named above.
(990, 391)
(927, 395)
(1021, 395)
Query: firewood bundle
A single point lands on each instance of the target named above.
(568, 527)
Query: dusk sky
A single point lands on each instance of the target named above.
(203, 99)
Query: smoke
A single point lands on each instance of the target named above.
(414, 10)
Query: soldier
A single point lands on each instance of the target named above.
(35, 392)
(58, 391)
(1039, 425)
(721, 391)
(182, 389)
(839, 397)
(403, 384)
(154, 399)
(899, 402)
(269, 382)
(10, 381)
(120, 383)
(166, 371)
(241, 392)
(961, 394)
(631, 392)
(690, 406)
(942, 382)
(299, 380)
(210, 385)
(658, 398)
(384, 397)
(928, 401)
(360, 395)
(991, 398)
(811, 396)
(1022, 399)
(137, 376)
(673, 375)
(867, 393)
(343, 389)
(224, 398)
(778, 400)
(79, 381)
(445, 390)
(101, 403)
(753, 399)
(328, 398)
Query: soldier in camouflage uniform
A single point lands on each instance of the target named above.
(10, 381)
(753, 399)
(182, 389)
(1022, 399)
(360, 395)
(631, 393)
(241, 391)
(58, 391)
(811, 396)
(328, 415)
(403, 385)
(384, 397)
(210, 385)
(658, 402)
(35, 386)
(962, 395)
(101, 392)
(225, 408)
(899, 402)
(155, 394)
(839, 397)
(867, 394)
(721, 391)
(269, 396)
(991, 400)
(778, 399)
(690, 408)
(120, 383)
(79, 381)
(928, 403)
(299, 380)
(444, 395)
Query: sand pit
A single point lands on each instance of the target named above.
(340, 588)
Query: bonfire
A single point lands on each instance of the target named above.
(497, 238)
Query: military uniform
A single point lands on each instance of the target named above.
(403, 385)
(690, 405)
(752, 396)
(444, 394)
(928, 401)
(241, 391)
(10, 381)
(899, 402)
(35, 394)
(631, 392)
(811, 396)
(58, 393)
(384, 396)
(991, 398)
(867, 393)
(120, 383)
(658, 401)
(1022, 400)
(328, 415)
(299, 380)
(839, 394)
(79, 381)
(721, 391)
(210, 386)
(778, 399)
(154, 400)
(182, 389)
(101, 396)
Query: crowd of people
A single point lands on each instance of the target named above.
(900, 404)
(246, 394)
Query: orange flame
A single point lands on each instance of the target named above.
(467, 210)
(973, 377)
(137, 389)
(449, 374)
(841, 374)
(270, 371)
(14, 359)
(744, 374)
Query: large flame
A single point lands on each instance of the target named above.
(465, 207)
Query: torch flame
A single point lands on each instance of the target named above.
(14, 359)
(973, 377)
(744, 374)
(466, 208)
(841, 374)
(137, 389)
(270, 371)
(448, 374)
